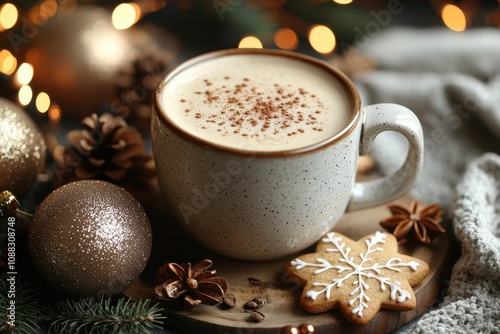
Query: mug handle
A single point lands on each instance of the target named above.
(389, 117)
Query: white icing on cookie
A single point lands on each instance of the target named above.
(359, 268)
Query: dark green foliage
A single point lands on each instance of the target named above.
(82, 316)
(28, 307)
(91, 316)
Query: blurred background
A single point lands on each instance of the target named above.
(64, 59)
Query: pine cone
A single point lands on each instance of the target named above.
(107, 148)
(135, 86)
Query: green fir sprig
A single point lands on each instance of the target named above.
(20, 307)
(91, 316)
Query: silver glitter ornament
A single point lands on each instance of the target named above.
(22, 149)
(90, 238)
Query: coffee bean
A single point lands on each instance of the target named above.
(259, 300)
(250, 305)
(229, 302)
(254, 281)
(289, 330)
(257, 316)
(306, 329)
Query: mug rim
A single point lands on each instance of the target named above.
(355, 101)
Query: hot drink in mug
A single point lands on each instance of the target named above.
(257, 150)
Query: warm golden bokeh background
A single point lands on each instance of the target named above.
(317, 27)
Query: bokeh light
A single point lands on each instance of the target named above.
(25, 73)
(342, 2)
(55, 113)
(67, 6)
(41, 13)
(250, 42)
(125, 15)
(286, 38)
(322, 39)
(48, 8)
(42, 102)
(152, 5)
(454, 18)
(25, 95)
(105, 47)
(8, 16)
(8, 62)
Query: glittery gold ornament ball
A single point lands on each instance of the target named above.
(89, 238)
(22, 149)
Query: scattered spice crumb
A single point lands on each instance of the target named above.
(245, 106)
(254, 281)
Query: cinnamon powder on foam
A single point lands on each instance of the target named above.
(242, 105)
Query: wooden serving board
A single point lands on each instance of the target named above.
(171, 245)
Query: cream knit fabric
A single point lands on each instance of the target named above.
(452, 82)
(472, 304)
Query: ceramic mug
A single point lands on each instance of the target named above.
(247, 202)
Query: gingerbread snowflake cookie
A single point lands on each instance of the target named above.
(358, 277)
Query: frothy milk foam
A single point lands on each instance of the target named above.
(257, 102)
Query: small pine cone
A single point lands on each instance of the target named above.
(107, 148)
(135, 85)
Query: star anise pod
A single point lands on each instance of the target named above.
(106, 148)
(190, 285)
(415, 222)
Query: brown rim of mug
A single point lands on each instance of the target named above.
(348, 85)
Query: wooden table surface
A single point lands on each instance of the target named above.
(171, 245)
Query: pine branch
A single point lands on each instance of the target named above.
(26, 310)
(91, 316)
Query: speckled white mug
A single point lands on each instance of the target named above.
(257, 205)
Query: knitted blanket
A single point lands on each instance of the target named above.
(452, 82)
